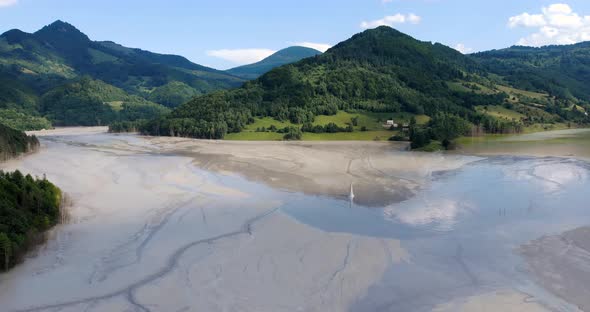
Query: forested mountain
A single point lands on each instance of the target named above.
(35, 67)
(561, 71)
(88, 102)
(282, 57)
(173, 94)
(19, 105)
(379, 70)
(60, 50)
(14, 143)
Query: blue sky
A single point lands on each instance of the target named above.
(223, 34)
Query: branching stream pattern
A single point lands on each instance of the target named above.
(129, 291)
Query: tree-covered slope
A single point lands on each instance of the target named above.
(561, 71)
(19, 105)
(43, 76)
(282, 57)
(16, 94)
(382, 71)
(173, 94)
(89, 102)
(379, 70)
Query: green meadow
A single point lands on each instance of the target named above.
(369, 127)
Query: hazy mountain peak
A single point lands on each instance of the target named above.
(283, 57)
(293, 52)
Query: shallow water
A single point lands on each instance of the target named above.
(148, 222)
(465, 226)
(561, 143)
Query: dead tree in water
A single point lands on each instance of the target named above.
(6, 249)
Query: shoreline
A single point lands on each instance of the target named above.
(35, 223)
(568, 143)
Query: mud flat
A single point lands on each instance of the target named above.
(151, 231)
(503, 300)
(379, 173)
(561, 263)
(168, 224)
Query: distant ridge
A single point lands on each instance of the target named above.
(283, 57)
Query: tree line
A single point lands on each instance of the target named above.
(28, 207)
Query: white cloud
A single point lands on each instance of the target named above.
(322, 47)
(556, 24)
(5, 3)
(392, 20)
(241, 56)
(414, 19)
(422, 211)
(462, 48)
(527, 20)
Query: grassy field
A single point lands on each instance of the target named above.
(578, 108)
(373, 122)
(517, 92)
(546, 127)
(266, 122)
(462, 86)
(254, 136)
(434, 146)
(382, 135)
(116, 105)
(499, 112)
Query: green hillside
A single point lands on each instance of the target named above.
(88, 102)
(560, 71)
(36, 68)
(378, 71)
(173, 94)
(282, 57)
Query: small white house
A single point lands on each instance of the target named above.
(389, 124)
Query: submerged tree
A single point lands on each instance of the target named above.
(5, 249)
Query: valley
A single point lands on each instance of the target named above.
(264, 156)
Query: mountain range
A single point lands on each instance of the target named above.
(60, 51)
(36, 67)
(59, 76)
